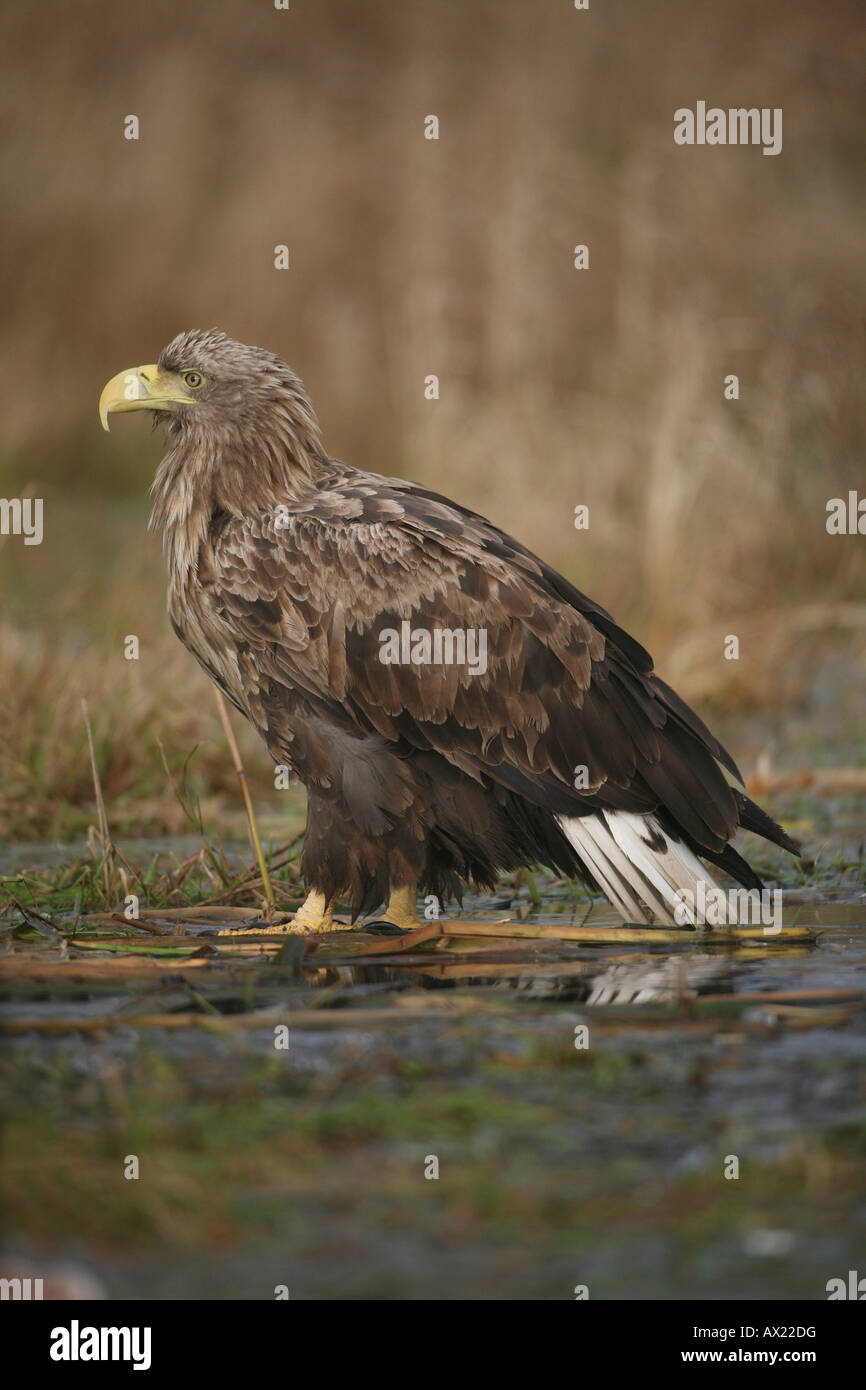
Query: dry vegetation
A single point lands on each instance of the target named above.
(411, 257)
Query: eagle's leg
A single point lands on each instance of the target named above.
(401, 910)
(314, 915)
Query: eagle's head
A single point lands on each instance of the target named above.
(208, 387)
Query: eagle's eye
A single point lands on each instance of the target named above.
(193, 380)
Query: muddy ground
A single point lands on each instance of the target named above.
(708, 1140)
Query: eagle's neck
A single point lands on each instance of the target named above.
(240, 473)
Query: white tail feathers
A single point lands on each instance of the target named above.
(647, 874)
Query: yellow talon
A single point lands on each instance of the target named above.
(314, 916)
(311, 918)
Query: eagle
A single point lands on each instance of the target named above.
(455, 708)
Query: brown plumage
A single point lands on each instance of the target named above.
(286, 566)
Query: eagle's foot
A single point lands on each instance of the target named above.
(314, 916)
(302, 927)
(278, 928)
(401, 910)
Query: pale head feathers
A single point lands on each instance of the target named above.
(249, 438)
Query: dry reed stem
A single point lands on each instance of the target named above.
(645, 935)
(245, 791)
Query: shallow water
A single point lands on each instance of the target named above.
(559, 1166)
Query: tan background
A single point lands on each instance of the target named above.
(410, 257)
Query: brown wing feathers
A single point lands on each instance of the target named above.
(564, 686)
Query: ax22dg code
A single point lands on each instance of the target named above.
(778, 1332)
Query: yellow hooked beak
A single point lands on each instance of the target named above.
(142, 388)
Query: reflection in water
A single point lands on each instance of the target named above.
(663, 982)
(639, 980)
(625, 974)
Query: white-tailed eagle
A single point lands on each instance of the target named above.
(454, 707)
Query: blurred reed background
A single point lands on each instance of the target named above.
(411, 257)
